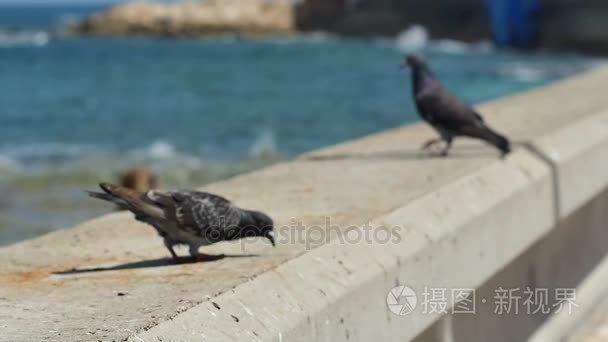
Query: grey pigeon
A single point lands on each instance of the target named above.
(448, 115)
(190, 218)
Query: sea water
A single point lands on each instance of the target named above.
(75, 111)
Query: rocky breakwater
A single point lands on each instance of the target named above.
(191, 18)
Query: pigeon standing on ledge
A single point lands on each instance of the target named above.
(446, 113)
(190, 218)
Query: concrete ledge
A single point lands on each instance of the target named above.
(584, 324)
(335, 291)
(462, 220)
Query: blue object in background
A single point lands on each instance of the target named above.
(514, 22)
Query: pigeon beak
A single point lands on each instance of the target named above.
(107, 187)
(270, 236)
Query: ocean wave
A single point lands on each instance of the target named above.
(317, 37)
(37, 166)
(456, 47)
(172, 174)
(538, 72)
(264, 145)
(417, 38)
(43, 154)
(8, 166)
(10, 39)
(278, 39)
(159, 149)
(524, 73)
(302, 38)
(51, 154)
(52, 198)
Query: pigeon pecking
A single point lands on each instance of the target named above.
(189, 218)
(448, 115)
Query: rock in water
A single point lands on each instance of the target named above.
(192, 18)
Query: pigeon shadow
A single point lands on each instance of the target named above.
(161, 262)
(459, 152)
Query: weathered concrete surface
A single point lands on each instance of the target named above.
(588, 322)
(594, 327)
(109, 279)
(566, 257)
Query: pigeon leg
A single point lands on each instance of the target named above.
(448, 145)
(204, 257)
(169, 246)
(177, 259)
(430, 143)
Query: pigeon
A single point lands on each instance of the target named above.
(447, 114)
(191, 218)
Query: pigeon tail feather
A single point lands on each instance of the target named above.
(110, 198)
(130, 199)
(494, 138)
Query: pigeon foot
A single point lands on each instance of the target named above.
(430, 144)
(208, 257)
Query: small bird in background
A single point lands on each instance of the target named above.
(448, 115)
(191, 218)
(138, 178)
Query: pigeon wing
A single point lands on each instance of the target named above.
(446, 111)
(205, 214)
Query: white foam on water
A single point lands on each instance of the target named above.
(264, 144)
(523, 72)
(415, 38)
(451, 46)
(161, 150)
(45, 153)
(10, 39)
(456, 47)
(318, 37)
(9, 164)
(308, 38)
(535, 72)
(484, 46)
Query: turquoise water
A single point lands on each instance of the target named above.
(75, 110)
